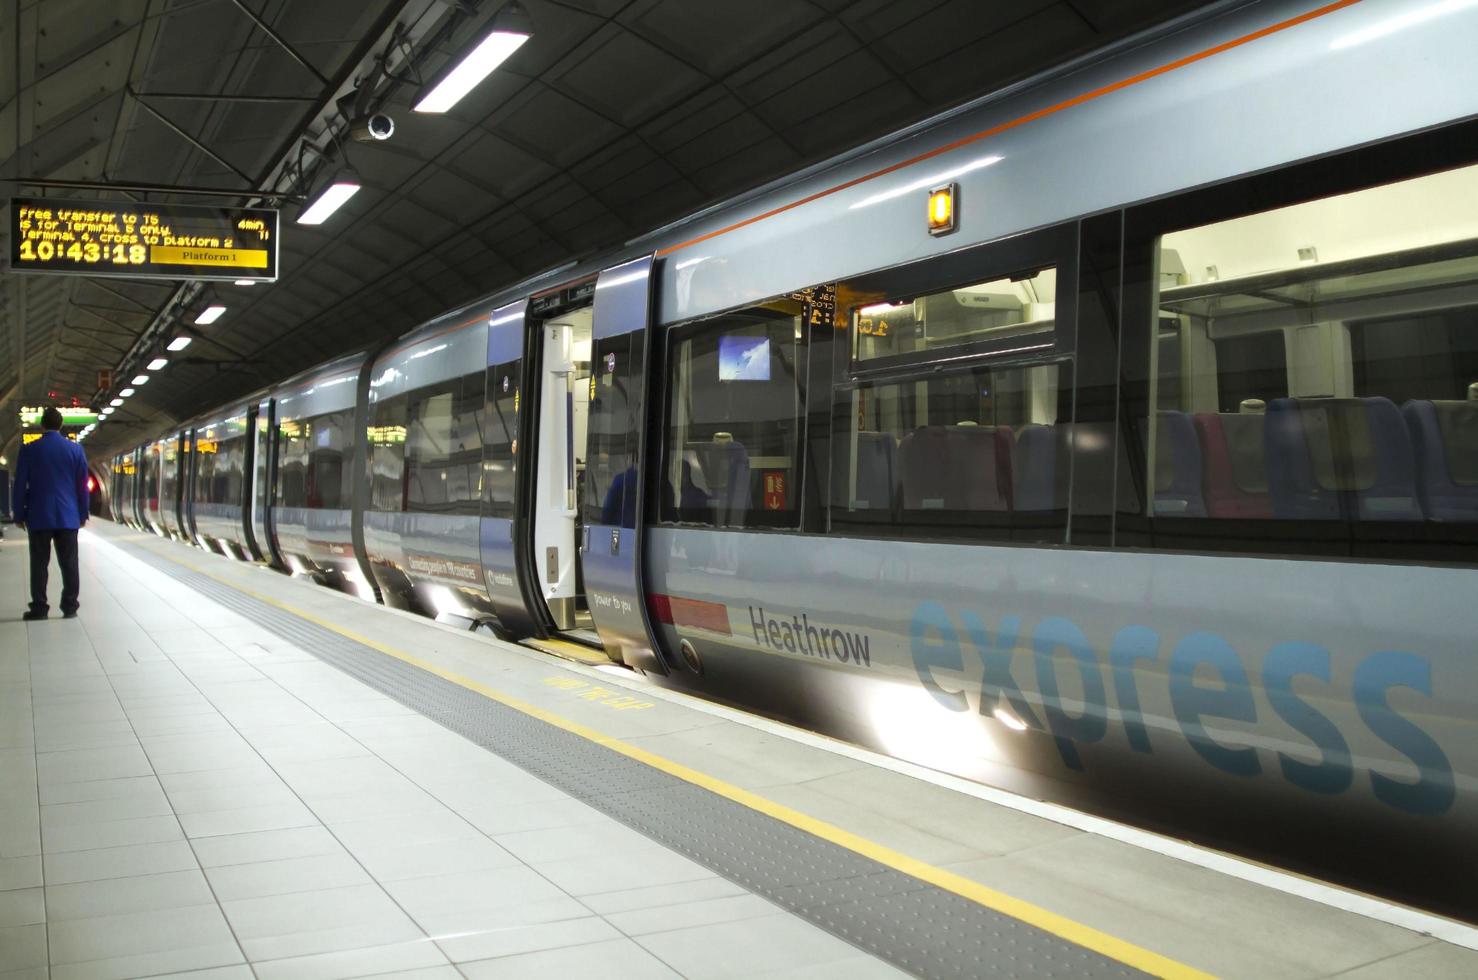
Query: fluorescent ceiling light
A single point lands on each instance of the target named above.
(329, 200)
(157, 363)
(126, 393)
(140, 379)
(509, 29)
(883, 309)
(116, 402)
(179, 343)
(245, 282)
(108, 411)
(210, 315)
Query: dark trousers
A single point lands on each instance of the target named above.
(66, 556)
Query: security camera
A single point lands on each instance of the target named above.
(372, 128)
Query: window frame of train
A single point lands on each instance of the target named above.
(1279, 529)
(772, 504)
(1011, 369)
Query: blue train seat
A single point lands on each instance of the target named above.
(1445, 437)
(1177, 467)
(1034, 473)
(877, 472)
(1340, 458)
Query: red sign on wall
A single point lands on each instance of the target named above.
(774, 489)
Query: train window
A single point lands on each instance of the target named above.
(314, 460)
(500, 451)
(980, 451)
(608, 482)
(443, 447)
(386, 439)
(1319, 363)
(734, 419)
(1017, 311)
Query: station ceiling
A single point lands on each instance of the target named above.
(616, 117)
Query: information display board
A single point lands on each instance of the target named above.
(71, 415)
(142, 241)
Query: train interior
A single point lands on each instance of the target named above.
(1320, 361)
(733, 437)
(976, 445)
(559, 468)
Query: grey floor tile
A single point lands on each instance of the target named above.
(338, 939)
(20, 872)
(510, 940)
(266, 845)
(560, 844)
(635, 868)
(302, 874)
(120, 896)
(313, 911)
(247, 820)
(22, 907)
(495, 890)
(22, 948)
(98, 789)
(119, 862)
(146, 803)
(640, 922)
(395, 862)
(79, 765)
(157, 931)
(747, 947)
(662, 896)
(369, 961)
(111, 833)
(616, 959)
(165, 962)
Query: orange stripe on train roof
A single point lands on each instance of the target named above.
(996, 130)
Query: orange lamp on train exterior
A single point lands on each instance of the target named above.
(942, 210)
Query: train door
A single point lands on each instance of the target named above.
(507, 330)
(610, 545)
(558, 361)
(255, 546)
(190, 465)
(264, 481)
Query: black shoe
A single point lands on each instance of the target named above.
(70, 615)
(32, 615)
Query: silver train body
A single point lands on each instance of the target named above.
(1313, 703)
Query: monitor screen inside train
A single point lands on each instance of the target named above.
(743, 358)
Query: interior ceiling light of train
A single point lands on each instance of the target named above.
(609, 118)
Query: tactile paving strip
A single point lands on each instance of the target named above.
(900, 919)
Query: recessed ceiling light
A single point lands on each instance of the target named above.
(157, 363)
(140, 379)
(210, 315)
(179, 343)
(116, 402)
(126, 393)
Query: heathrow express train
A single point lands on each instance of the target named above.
(1112, 439)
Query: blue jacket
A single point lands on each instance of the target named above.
(50, 491)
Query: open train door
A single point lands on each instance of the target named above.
(615, 447)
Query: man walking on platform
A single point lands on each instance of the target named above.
(49, 502)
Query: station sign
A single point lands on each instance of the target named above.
(142, 241)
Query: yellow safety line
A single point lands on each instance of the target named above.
(1058, 925)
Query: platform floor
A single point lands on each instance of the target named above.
(204, 774)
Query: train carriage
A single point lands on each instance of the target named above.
(1111, 439)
